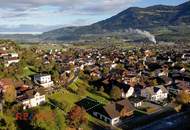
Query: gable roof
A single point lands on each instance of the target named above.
(136, 99)
(31, 93)
(154, 90)
(113, 109)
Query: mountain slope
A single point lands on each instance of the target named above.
(150, 18)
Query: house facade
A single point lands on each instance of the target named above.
(136, 101)
(157, 93)
(32, 98)
(43, 80)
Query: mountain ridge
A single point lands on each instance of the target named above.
(164, 21)
(134, 17)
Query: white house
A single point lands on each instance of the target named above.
(157, 93)
(33, 98)
(14, 54)
(127, 92)
(11, 61)
(43, 80)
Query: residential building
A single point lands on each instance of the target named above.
(157, 93)
(32, 98)
(43, 80)
(127, 92)
(136, 101)
(112, 112)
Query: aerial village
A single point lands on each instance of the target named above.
(115, 86)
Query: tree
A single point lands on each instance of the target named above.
(7, 122)
(10, 93)
(105, 70)
(55, 75)
(44, 118)
(183, 97)
(120, 66)
(115, 93)
(76, 117)
(154, 82)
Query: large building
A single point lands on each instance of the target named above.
(32, 98)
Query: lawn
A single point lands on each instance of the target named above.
(65, 97)
(27, 71)
(80, 83)
(97, 97)
(42, 46)
(71, 99)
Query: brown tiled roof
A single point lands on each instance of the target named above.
(32, 92)
(114, 108)
(127, 104)
(111, 110)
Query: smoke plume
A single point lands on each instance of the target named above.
(147, 34)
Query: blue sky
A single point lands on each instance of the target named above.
(43, 15)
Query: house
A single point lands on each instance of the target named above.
(13, 54)
(3, 53)
(32, 98)
(127, 92)
(43, 80)
(136, 101)
(11, 60)
(165, 80)
(157, 93)
(95, 73)
(178, 86)
(112, 112)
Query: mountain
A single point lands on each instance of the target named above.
(161, 20)
(169, 23)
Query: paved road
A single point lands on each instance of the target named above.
(140, 121)
(174, 122)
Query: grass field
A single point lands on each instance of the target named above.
(42, 46)
(80, 83)
(71, 99)
(27, 71)
(65, 97)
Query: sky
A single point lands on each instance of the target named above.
(36, 16)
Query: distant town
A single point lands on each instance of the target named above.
(108, 87)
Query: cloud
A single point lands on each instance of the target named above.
(38, 15)
(27, 28)
(90, 5)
